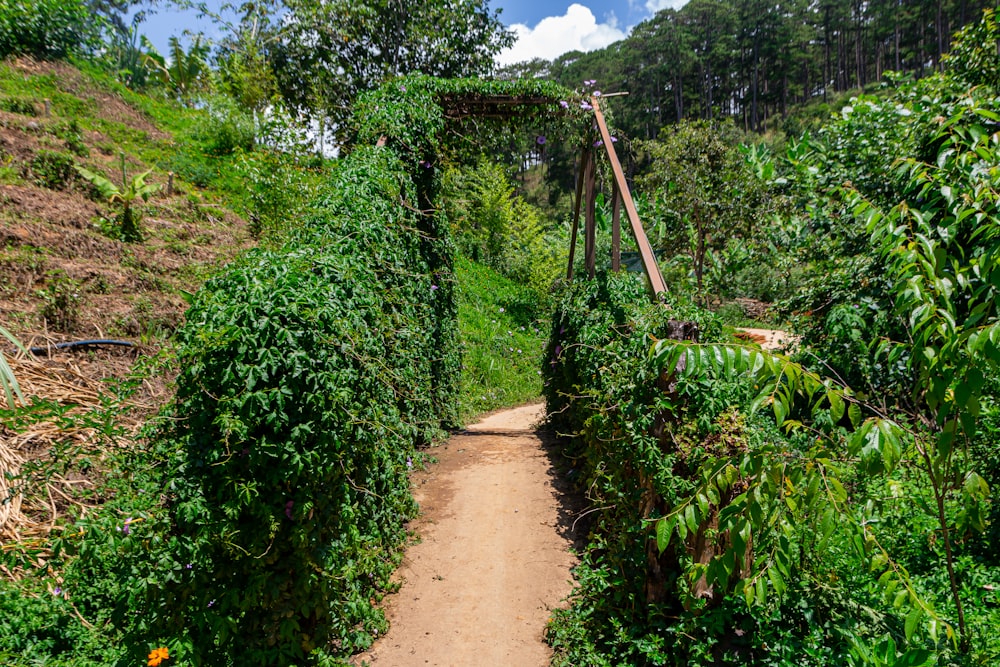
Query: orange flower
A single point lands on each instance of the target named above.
(158, 655)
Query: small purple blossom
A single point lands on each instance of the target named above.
(558, 350)
(540, 140)
(125, 528)
(434, 287)
(409, 462)
(590, 82)
(599, 142)
(403, 88)
(585, 105)
(288, 508)
(188, 566)
(211, 603)
(614, 140)
(564, 104)
(425, 164)
(501, 309)
(597, 93)
(57, 590)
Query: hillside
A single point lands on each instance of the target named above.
(63, 273)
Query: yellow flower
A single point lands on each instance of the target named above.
(158, 655)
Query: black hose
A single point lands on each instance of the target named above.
(78, 343)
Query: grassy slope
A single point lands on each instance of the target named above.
(63, 275)
(502, 339)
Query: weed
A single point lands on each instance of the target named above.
(60, 301)
(51, 169)
(72, 136)
(18, 105)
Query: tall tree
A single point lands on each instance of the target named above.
(333, 49)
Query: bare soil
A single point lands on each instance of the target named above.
(769, 339)
(493, 557)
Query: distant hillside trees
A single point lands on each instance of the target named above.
(751, 60)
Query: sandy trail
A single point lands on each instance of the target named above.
(494, 556)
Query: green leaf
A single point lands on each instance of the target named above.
(912, 620)
(836, 405)
(664, 531)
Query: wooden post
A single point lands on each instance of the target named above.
(48, 107)
(616, 228)
(590, 227)
(170, 183)
(584, 159)
(645, 250)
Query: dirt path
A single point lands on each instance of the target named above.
(493, 559)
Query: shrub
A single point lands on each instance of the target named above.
(225, 129)
(52, 169)
(18, 105)
(60, 301)
(47, 29)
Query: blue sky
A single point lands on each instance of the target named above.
(545, 28)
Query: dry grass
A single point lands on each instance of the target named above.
(31, 512)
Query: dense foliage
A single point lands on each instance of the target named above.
(327, 53)
(833, 508)
(47, 29)
(301, 402)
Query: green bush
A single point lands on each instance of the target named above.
(645, 440)
(18, 105)
(52, 169)
(47, 29)
(225, 129)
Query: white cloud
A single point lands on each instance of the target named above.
(578, 30)
(654, 6)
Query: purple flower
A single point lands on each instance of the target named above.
(125, 528)
(188, 566)
(599, 142)
(403, 88)
(211, 602)
(501, 309)
(558, 350)
(288, 508)
(585, 105)
(614, 140)
(597, 93)
(540, 140)
(434, 287)
(564, 104)
(590, 82)
(425, 164)
(57, 591)
(409, 463)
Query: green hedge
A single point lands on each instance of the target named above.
(309, 374)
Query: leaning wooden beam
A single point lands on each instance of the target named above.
(616, 228)
(584, 158)
(590, 219)
(645, 250)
